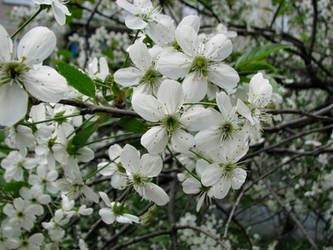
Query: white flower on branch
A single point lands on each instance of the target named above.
(26, 74)
(144, 73)
(166, 110)
(115, 212)
(200, 62)
(140, 171)
(59, 9)
(114, 168)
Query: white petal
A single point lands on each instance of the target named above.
(9, 210)
(223, 75)
(195, 87)
(127, 6)
(181, 141)
(218, 48)
(36, 45)
(19, 204)
(207, 140)
(13, 104)
(170, 94)
(36, 239)
(6, 45)
(103, 68)
(155, 139)
(118, 181)
(140, 56)
(128, 76)
(244, 110)
(45, 83)
(156, 194)
(134, 22)
(85, 154)
(260, 91)
(174, 64)
(238, 178)
(163, 32)
(198, 118)
(187, 39)
(192, 21)
(114, 152)
(106, 169)
(151, 165)
(128, 218)
(224, 103)
(93, 67)
(105, 198)
(130, 159)
(200, 201)
(148, 107)
(191, 186)
(107, 215)
(211, 175)
(90, 194)
(222, 188)
(60, 153)
(59, 12)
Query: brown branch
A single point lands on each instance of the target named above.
(171, 212)
(232, 213)
(91, 109)
(299, 135)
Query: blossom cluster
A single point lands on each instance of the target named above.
(184, 89)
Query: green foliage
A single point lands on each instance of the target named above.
(12, 187)
(256, 66)
(132, 125)
(85, 131)
(65, 53)
(257, 54)
(108, 53)
(77, 79)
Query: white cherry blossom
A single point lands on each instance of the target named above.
(113, 168)
(143, 74)
(140, 172)
(115, 212)
(224, 130)
(59, 9)
(26, 74)
(98, 68)
(200, 63)
(224, 173)
(166, 110)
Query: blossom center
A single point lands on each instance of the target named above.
(151, 76)
(171, 123)
(118, 210)
(226, 130)
(200, 64)
(11, 71)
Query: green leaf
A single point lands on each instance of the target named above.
(108, 53)
(256, 66)
(82, 136)
(77, 79)
(132, 125)
(258, 54)
(65, 53)
(14, 187)
(4, 149)
(2, 137)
